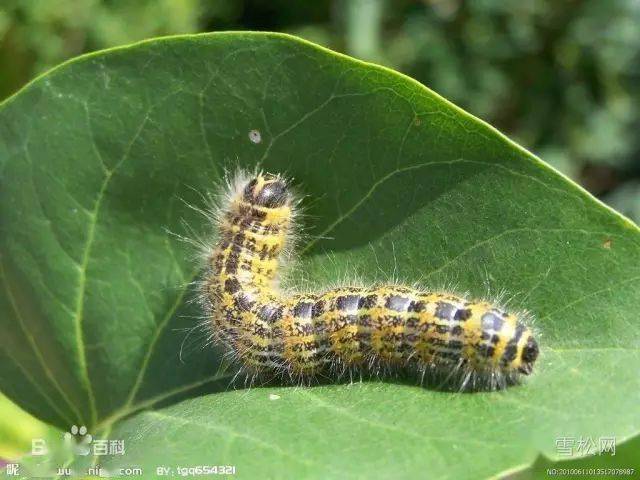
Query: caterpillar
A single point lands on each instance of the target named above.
(308, 334)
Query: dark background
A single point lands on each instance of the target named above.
(560, 77)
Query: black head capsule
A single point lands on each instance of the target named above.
(528, 357)
(267, 191)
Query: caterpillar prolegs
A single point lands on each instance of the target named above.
(304, 335)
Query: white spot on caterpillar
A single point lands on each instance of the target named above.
(255, 136)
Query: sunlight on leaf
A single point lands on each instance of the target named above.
(100, 160)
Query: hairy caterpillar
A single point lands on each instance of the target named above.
(350, 327)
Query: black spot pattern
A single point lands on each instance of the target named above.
(370, 301)
(530, 351)
(318, 308)
(231, 285)
(417, 307)
(462, 314)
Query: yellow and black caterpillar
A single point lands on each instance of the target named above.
(351, 327)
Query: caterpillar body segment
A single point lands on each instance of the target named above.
(382, 325)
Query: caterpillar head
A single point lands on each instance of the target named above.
(267, 191)
(507, 342)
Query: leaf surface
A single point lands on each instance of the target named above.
(101, 158)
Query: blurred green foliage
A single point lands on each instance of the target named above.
(36, 35)
(562, 78)
(18, 429)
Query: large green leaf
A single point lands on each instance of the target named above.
(597, 465)
(101, 157)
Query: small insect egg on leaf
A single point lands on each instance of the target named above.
(273, 396)
(255, 136)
